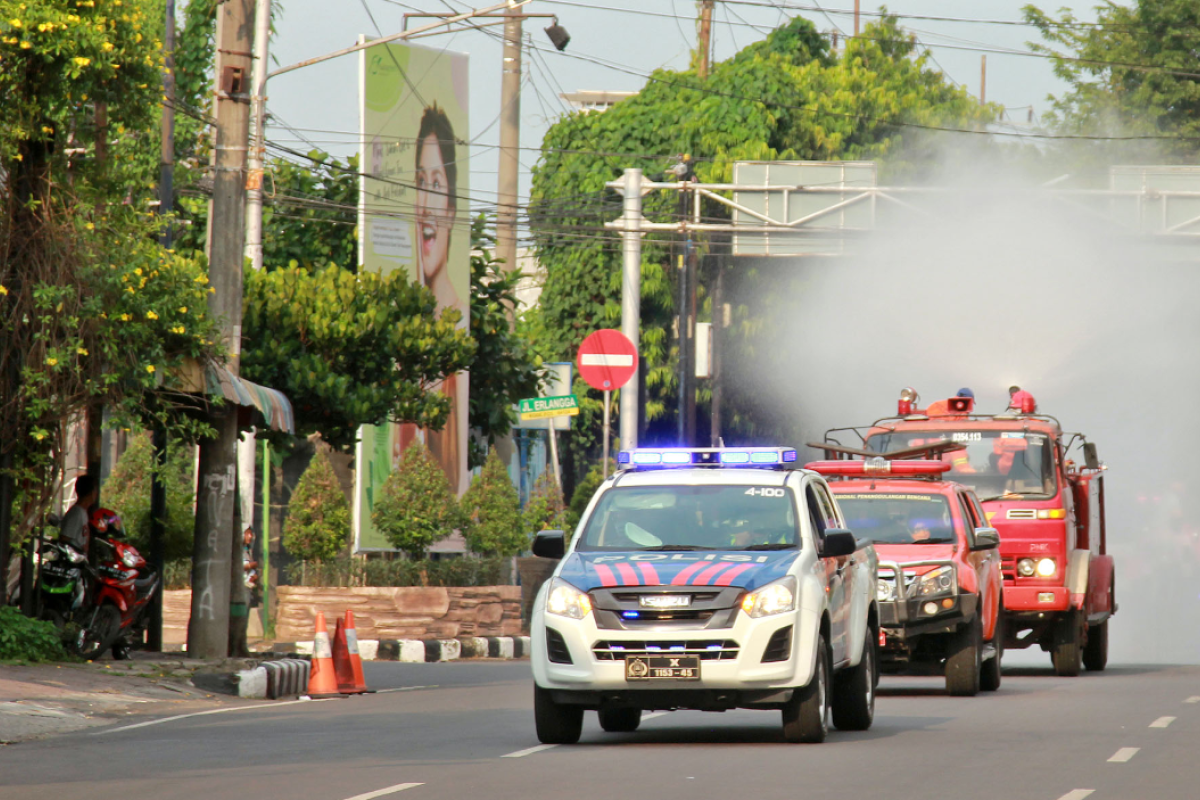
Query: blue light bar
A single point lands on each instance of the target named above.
(667, 457)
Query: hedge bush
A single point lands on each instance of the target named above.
(346, 571)
(25, 639)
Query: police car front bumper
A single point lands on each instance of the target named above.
(743, 665)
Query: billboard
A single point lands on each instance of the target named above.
(413, 216)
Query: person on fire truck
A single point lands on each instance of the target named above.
(1016, 398)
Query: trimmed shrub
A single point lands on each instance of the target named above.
(346, 571)
(318, 520)
(416, 507)
(492, 511)
(127, 491)
(545, 510)
(25, 639)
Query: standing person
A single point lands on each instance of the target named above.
(249, 564)
(75, 529)
(436, 211)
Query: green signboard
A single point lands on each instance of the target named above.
(543, 407)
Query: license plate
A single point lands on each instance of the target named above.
(665, 600)
(658, 668)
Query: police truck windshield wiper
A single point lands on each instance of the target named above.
(678, 547)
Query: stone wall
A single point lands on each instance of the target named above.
(402, 612)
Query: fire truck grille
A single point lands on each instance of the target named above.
(1008, 569)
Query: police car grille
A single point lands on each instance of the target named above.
(707, 650)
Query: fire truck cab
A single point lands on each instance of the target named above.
(940, 587)
(1059, 579)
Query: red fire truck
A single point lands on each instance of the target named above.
(1048, 507)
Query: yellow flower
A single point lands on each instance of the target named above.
(82, 61)
(26, 45)
(39, 435)
(90, 226)
(16, 23)
(107, 47)
(81, 351)
(178, 329)
(3, 290)
(150, 368)
(151, 315)
(137, 271)
(125, 318)
(201, 279)
(50, 362)
(182, 309)
(129, 289)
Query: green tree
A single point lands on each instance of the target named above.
(787, 97)
(416, 507)
(127, 491)
(492, 511)
(582, 496)
(350, 349)
(318, 520)
(504, 368)
(545, 510)
(1132, 73)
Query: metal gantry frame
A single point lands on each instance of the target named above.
(633, 226)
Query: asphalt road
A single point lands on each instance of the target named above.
(465, 730)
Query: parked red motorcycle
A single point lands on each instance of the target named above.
(125, 585)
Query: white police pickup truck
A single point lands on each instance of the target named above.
(707, 579)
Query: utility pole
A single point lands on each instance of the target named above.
(510, 140)
(856, 4)
(631, 299)
(983, 79)
(216, 541)
(704, 39)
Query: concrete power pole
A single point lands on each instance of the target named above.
(704, 39)
(510, 140)
(216, 539)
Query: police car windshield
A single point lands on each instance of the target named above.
(898, 518)
(692, 518)
(996, 464)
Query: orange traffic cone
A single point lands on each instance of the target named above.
(322, 682)
(347, 662)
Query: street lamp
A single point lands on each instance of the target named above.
(558, 35)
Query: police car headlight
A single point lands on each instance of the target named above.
(564, 600)
(939, 581)
(774, 598)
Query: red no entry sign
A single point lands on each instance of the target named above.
(607, 360)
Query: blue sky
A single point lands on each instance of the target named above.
(320, 102)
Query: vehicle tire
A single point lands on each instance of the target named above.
(965, 660)
(806, 715)
(98, 634)
(556, 723)
(989, 675)
(854, 690)
(1067, 650)
(120, 650)
(620, 720)
(1095, 652)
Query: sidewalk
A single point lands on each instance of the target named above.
(41, 700)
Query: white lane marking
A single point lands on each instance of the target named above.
(405, 689)
(1124, 754)
(527, 751)
(1193, 699)
(199, 714)
(1162, 722)
(1076, 794)
(399, 787)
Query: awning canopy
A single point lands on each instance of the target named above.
(218, 381)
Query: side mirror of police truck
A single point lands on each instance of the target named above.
(986, 539)
(1090, 459)
(550, 544)
(838, 542)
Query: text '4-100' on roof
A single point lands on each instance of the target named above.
(710, 579)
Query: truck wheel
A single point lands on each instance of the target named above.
(1067, 650)
(989, 675)
(620, 720)
(556, 723)
(854, 690)
(965, 661)
(806, 715)
(1095, 652)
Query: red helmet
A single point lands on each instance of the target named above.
(105, 518)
